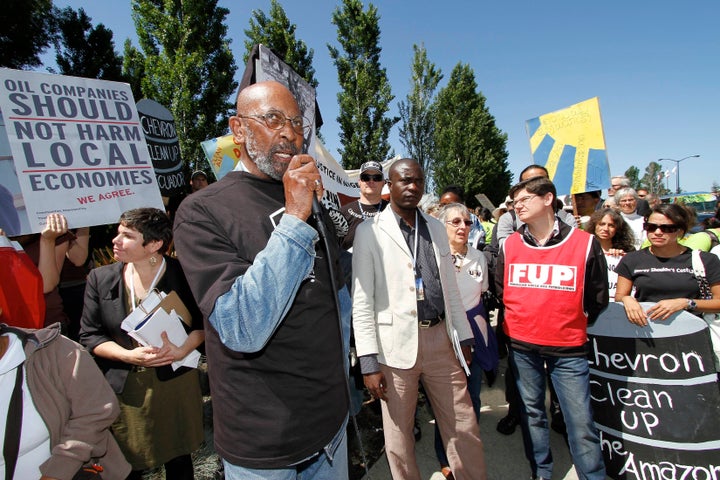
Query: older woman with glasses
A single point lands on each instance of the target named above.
(471, 272)
(663, 273)
(627, 200)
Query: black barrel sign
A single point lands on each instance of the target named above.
(158, 125)
(655, 397)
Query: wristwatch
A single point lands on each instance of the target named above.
(691, 305)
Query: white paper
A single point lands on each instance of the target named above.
(148, 333)
(149, 304)
(459, 353)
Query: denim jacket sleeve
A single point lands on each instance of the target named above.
(247, 315)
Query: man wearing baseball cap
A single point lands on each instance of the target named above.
(370, 202)
(198, 180)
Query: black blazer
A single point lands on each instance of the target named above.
(105, 309)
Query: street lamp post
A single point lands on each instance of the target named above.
(677, 166)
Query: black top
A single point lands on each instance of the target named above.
(106, 307)
(355, 213)
(656, 278)
(277, 406)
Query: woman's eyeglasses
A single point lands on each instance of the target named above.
(456, 222)
(666, 228)
(366, 177)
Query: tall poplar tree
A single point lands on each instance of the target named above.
(417, 113)
(185, 64)
(83, 50)
(277, 33)
(470, 149)
(365, 94)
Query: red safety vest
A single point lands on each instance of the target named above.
(543, 290)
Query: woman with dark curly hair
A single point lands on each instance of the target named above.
(612, 231)
(616, 238)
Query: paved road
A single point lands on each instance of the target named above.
(503, 454)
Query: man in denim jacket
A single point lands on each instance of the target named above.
(251, 253)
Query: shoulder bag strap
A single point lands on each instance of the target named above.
(697, 264)
(11, 447)
(699, 272)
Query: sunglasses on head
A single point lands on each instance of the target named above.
(667, 228)
(376, 177)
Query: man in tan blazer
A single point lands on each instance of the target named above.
(406, 310)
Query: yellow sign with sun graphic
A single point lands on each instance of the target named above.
(571, 145)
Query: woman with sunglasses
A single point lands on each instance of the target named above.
(471, 272)
(663, 272)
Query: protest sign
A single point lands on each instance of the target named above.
(655, 396)
(77, 148)
(158, 126)
(570, 143)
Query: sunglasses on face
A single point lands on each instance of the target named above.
(667, 228)
(456, 222)
(366, 177)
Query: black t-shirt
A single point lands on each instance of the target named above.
(355, 213)
(277, 406)
(657, 278)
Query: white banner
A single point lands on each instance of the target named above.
(77, 148)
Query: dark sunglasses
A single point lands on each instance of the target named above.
(667, 228)
(366, 177)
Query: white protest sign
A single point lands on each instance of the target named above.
(77, 146)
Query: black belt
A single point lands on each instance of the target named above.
(431, 322)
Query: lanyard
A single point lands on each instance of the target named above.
(417, 231)
(152, 285)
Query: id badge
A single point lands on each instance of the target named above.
(419, 289)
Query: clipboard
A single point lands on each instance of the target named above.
(173, 302)
(151, 303)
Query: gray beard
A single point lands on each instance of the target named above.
(264, 161)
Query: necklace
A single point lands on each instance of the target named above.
(458, 259)
(365, 214)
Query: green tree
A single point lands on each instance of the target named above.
(470, 149)
(417, 112)
(653, 179)
(186, 64)
(28, 29)
(633, 174)
(277, 33)
(84, 50)
(365, 94)
(133, 68)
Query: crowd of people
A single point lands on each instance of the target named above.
(277, 294)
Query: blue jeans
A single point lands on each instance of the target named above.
(327, 465)
(570, 376)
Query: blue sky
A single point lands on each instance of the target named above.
(654, 65)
